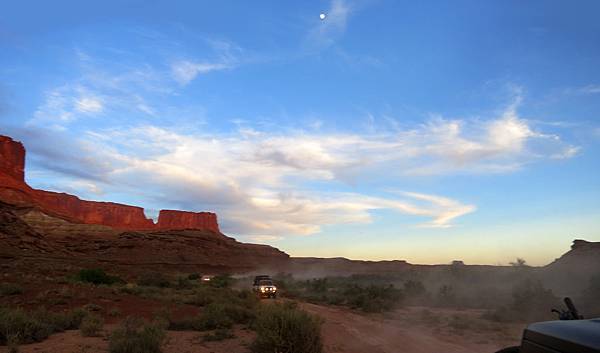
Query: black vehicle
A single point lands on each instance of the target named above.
(570, 334)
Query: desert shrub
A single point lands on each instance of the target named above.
(282, 328)
(414, 289)
(114, 312)
(318, 285)
(590, 296)
(193, 276)
(35, 326)
(217, 315)
(96, 276)
(183, 283)
(532, 301)
(219, 335)
(12, 343)
(370, 294)
(10, 289)
(62, 321)
(446, 295)
(153, 279)
(93, 307)
(91, 325)
(221, 281)
(133, 336)
(17, 323)
(457, 322)
(372, 298)
(429, 318)
(213, 317)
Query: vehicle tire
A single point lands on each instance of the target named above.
(515, 349)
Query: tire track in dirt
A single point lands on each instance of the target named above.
(346, 331)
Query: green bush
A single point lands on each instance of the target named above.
(283, 328)
(193, 276)
(96, 276)
(10, 289)
(133, 336)
(91, 325)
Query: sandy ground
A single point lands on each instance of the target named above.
(408, 330)
(177, 342)
(412, 330)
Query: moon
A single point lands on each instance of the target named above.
(322, 16)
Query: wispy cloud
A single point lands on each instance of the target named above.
(584, 90)
(227, 56)
(186, 71)
(89, 105)
(326, 32)
(67, 103)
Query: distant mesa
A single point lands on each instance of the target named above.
(14, 190)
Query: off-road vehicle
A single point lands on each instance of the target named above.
(569, 334)
(263, 286)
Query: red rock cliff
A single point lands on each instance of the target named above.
(12, 158)
(170, 219)
(14, 190)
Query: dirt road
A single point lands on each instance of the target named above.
(412, 330)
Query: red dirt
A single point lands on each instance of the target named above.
(177, 342)
(404, 330)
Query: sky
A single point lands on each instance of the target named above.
(425, 131)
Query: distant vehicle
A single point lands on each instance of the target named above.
(571, 334)
(206, 278)
(263, 286)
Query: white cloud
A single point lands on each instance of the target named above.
(258, 181)
(186, 71)
(227, 56)
(89, 105)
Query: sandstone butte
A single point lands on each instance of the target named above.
(14, 190)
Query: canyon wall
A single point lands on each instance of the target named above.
(12, 158)
(14, 190)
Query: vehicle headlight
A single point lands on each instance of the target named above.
(262, 289)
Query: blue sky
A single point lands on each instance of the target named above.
(390, 130)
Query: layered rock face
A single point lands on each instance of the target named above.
(14, 190)
(171, 219)
(90, 212)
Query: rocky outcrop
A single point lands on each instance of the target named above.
(12, 158)
(14, 190)
(31, 236)
(171, 219)
(91, 212)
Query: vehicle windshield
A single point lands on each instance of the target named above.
(265, 282)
